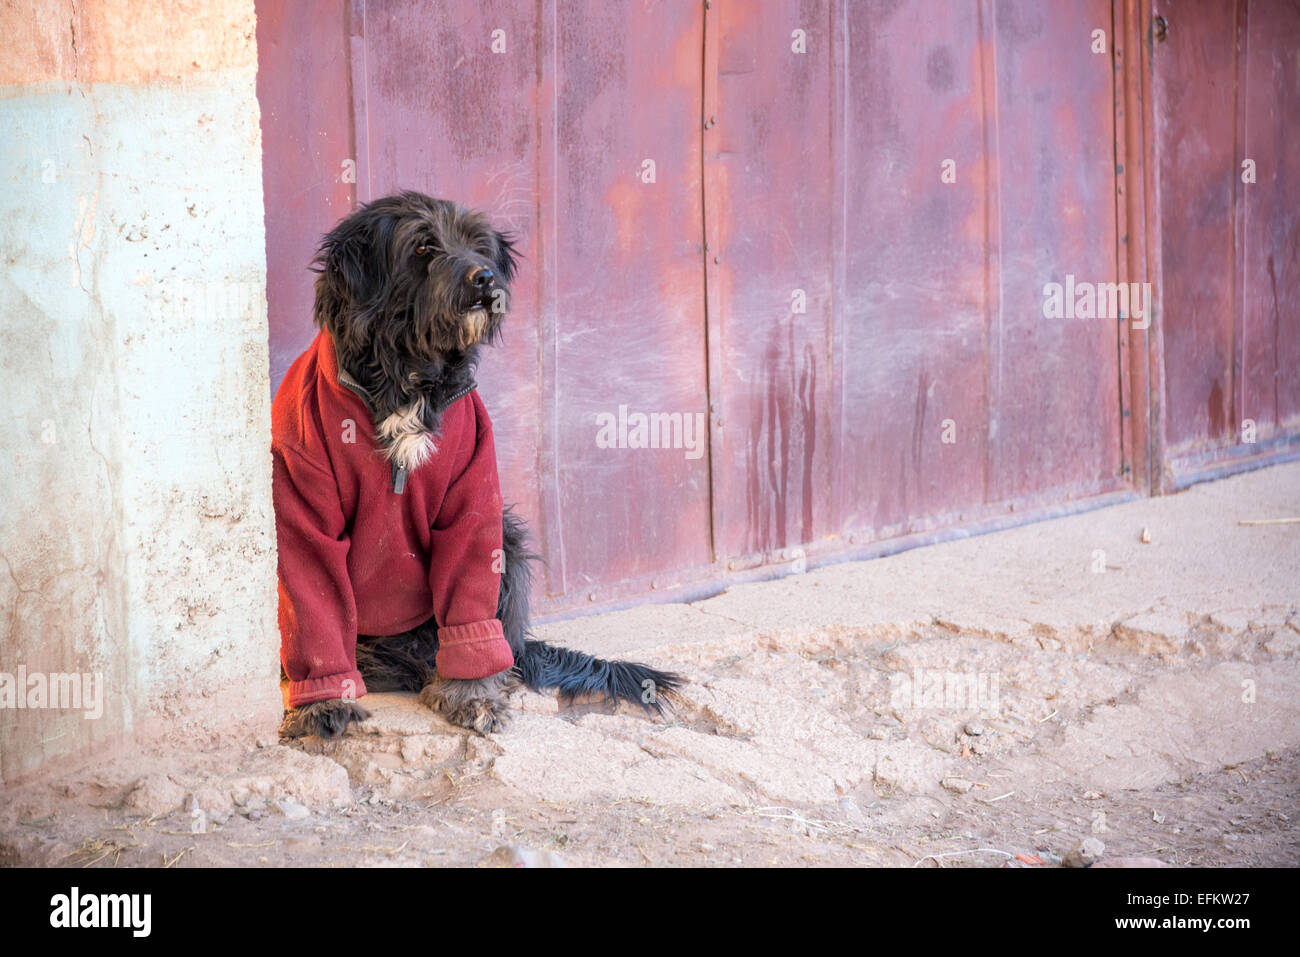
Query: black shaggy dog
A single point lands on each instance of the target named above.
(409, 288)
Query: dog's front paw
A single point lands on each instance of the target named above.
(475, 703)
(328, 719)
(484, 715)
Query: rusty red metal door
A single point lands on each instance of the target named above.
(769, 182)
(889, 187)
(1227, 89)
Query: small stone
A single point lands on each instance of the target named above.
(1233, 621)
(412, 750)
(1282, 643)
(212, 798)
(292, 810)
(1146, 535)
(500, 824)
(852, 813)
(959, 785)
(1088, 851)
(155, 795)
(481, 751)
(974, 729)
(514, 855)
(1152, 633)
(1268, 619)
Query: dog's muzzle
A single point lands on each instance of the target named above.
(474, 325)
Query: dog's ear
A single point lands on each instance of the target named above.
(349, 270)
(507, 258)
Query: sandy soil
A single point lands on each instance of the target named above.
(953, 706)
(786, 753)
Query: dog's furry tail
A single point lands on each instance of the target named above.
(573, 674)
(577, 674)
(398, 665)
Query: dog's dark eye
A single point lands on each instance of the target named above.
(423, 250)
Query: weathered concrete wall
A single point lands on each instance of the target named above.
(136, 529)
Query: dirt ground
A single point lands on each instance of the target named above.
(957, 705)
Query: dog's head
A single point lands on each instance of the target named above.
(419, 279)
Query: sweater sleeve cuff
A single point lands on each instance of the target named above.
(475, 650)
(345, 684)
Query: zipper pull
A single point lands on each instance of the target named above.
(399, 478)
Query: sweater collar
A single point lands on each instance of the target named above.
(334, 372)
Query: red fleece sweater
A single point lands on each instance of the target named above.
(356, 557)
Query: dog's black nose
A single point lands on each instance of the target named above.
(481, 278)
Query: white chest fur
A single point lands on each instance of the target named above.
(404, 438)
